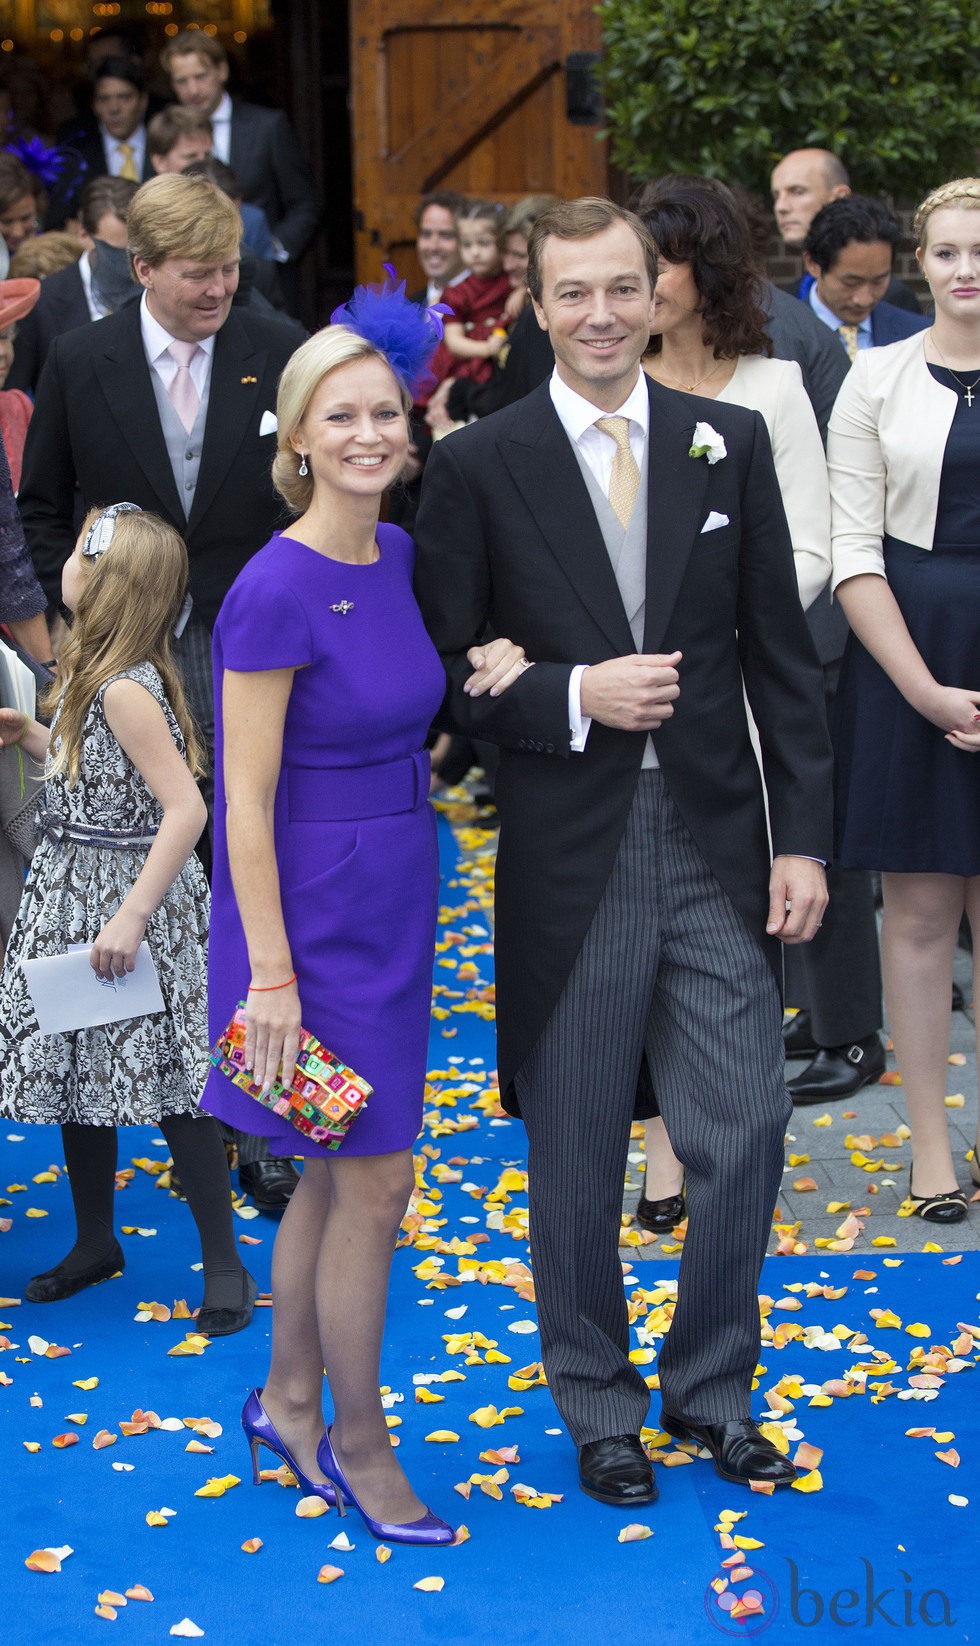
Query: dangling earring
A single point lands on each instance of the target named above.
(302, 464)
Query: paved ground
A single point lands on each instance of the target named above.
(875, 1113)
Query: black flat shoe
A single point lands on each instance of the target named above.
(740, 1452)
(660, 1215)
(617, 1471)
(56, 1284)
(223, 1322)
(839, 1071)
(269, 1182)
(798, 1036)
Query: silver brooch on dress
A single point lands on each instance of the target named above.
(344, 607)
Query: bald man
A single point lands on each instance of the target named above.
(802, 182)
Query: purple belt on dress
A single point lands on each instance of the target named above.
(342, 794)
(59, 830)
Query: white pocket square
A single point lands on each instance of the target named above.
(269, 425)
(713, 522)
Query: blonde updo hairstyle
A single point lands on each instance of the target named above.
(962, 194)
(325, 352)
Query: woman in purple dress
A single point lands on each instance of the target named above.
(325, 884)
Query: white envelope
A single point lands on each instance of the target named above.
(67, 994)
(713, 522)
(269, 423)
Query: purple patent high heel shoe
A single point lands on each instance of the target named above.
(260, 1432)
(430, 1529)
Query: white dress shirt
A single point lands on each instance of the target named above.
(578, 418)
(221, 130)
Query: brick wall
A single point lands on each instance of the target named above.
(784, 267)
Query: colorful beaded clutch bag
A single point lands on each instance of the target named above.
(324, 1098)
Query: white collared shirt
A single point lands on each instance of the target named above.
(577, 417)
(114, 157)
(221, 130)
(156, 342)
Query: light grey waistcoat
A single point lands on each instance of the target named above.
(627, 550)
(183, 449)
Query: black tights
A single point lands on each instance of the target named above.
(199, 1159)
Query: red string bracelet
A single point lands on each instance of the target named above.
(270, 988)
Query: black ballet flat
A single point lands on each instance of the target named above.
(223, 1322)
(58, 1283)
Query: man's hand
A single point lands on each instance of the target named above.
(634, 694)
(797, 899)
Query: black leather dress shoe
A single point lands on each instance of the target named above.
(223, 1322)
(798, 1036)
(740, 1452)
(839, 1071)
(58, 1283)
(270, 1182)
(617, 1471)
(660, 1215)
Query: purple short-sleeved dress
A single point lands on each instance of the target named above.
(355, 834)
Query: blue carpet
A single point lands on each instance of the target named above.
(880, 1548)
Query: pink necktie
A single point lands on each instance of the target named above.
(182, 394)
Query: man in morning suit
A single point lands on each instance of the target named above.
(645, 569)
(257, 143)
(168, 403)
(77, 294)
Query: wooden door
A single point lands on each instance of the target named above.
(475, 95)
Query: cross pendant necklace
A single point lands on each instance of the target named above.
(968, 388)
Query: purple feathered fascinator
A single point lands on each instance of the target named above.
(406, 333)
(44, 163)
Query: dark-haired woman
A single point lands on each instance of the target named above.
(708, 338)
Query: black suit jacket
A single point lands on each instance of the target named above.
(267, 159)
(96, 426)
(60, 307)
(507, 536)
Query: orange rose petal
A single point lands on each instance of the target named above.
(139, 1591)
(42, 1560)
(107, 1612)
(330, 1574)
(103, 1439)
(61, 1441)
(382, 1553)
(252, 1545)
(952, 1457)
(111, 1597)
(430, 1585)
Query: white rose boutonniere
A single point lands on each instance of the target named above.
(707, 442)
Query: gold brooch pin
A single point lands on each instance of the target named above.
(249, 379)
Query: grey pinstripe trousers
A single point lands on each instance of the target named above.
(668, 967)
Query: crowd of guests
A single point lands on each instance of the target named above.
(625, 590)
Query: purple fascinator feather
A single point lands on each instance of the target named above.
(406, 333)
(44, 163)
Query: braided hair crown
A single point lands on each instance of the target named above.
(963, 192)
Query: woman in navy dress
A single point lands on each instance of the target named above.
(325, 888)
(904, 458)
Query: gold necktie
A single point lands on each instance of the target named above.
(128, 170)
(624, 481)
(849, 337)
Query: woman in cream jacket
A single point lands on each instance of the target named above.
(904, 458)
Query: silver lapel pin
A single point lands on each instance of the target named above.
(344, 607)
